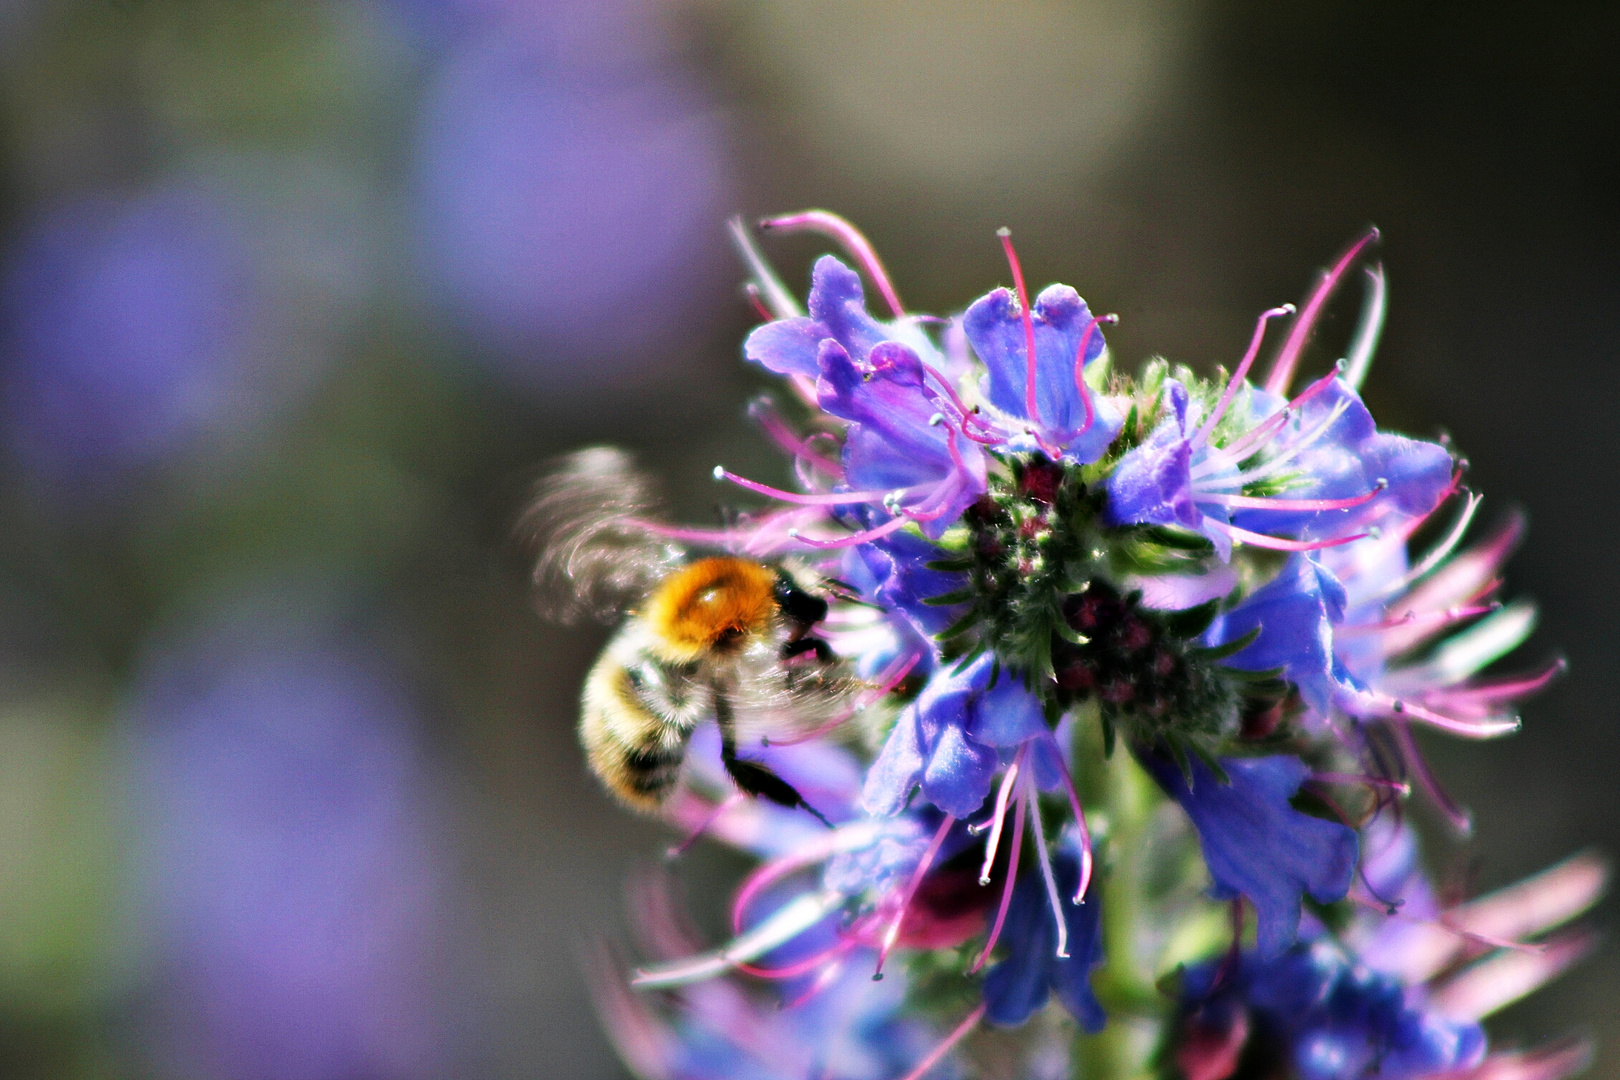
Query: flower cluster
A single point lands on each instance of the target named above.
(1144, 655)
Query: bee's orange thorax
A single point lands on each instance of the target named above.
(711, 604)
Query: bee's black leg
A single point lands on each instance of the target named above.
(800, 646)
(753, 777)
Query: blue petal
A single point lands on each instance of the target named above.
(959, 772)
(1007, 714)
(995, 328)
(1152, 484)
(787, 346)
(907, 582)
(1257, 845)
(1295, 613)
(898, 768)
(837, 303)
(893, 443)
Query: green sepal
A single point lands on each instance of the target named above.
(950, 566)
(1231, 648)
(1213, 762)
(958, 628)
(960, 596)
(1170, 983)
(1190, 622)
(1070, 634)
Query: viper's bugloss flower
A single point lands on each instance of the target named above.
(1313, 1011)
(1032, 558)
(1256, 844)
(1019, 984)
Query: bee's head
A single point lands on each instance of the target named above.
(712, 605)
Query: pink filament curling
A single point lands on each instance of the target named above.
(1031, 408)
(1080, 371)
(1279, 543)
(957, 1035)
(917, 875)
(1256, 502)
(1282, 370)
(1236, 380)
(859, 247)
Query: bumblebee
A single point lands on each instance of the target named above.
(723, 638)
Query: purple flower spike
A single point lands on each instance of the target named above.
(995, 328)
(1257, 845)
(947, 741)
(1019, 984)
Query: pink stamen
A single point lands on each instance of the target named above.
(762, 411)
(1460, 819)
(1080, 371)
(1278, 543)
(999, 818)
(714, 537)
(900, 670)
(1263, 432)
(1282, 370)
(1372, 903)
(1504, 689)
(757, 299)
(1007, 886)
(675, 851)
(1255, 502)
(893, 525)
(1050, 879)
(1397, 786)
(828, 976)
(950, 392)
(1439, 553)
(857, 245)
(837, 498)
(1031, 408)
(799, 967)
(1428, 621)
(937, 1053)
(1079, 820)
(823, 848)
(1467, 729)
(1236, 380)
(917, 875)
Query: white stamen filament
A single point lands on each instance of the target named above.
(999, 819)
(1046, 872)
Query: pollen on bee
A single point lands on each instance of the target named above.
(711, 604)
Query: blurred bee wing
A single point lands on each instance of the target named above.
(586, 527)
(774, 701)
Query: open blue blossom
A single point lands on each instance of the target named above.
(948, 741)
(896, 442)
(1333, 451)
(837, 303)
(1068, 417)
(1018, 985)
(1294, 614)
(1337, 472)
(1256, 844)
(1330, 1018)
